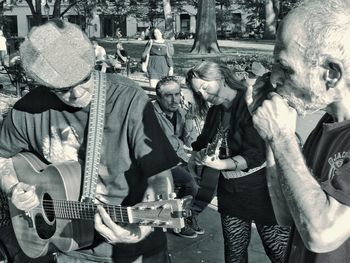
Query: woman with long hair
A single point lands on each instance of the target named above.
(242, 189)
(160, 62)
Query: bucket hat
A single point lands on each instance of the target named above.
(57, 54)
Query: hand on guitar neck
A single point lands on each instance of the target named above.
(114, 233)
(209, 156)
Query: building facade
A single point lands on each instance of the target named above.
(20, 20)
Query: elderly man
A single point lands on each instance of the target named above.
(311, 73)
(52, 122)
(177, 125)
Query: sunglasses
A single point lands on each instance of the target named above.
(64, 90)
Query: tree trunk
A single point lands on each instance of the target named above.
(57, 9)
(271, 15)
(169, 26)
(206, 38)
(36, 12)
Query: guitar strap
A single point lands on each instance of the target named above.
(95, 135)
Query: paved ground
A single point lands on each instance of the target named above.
(209, 247)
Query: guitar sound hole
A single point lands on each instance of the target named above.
(46, 225)
(48, 207)
(44, 230)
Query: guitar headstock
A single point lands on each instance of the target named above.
(167, 213)
(213, 147)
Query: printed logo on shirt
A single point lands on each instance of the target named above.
(336, 161)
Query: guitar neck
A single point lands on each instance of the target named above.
(86, 211)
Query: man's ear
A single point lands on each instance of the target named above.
(333, 74)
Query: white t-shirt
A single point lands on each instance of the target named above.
(100, 53)
(3, 46)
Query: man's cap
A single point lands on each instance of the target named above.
(257, 69)
(57, 54)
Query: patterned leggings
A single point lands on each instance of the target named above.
(237, 233)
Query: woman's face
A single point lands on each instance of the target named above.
(157, 34)
(209, 90)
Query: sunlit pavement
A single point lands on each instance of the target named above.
(209, 247)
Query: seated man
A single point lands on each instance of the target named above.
(177, 125)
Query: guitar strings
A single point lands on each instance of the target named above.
(86, 210)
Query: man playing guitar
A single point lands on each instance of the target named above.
(52, 122)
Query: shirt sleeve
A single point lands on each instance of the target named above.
(146, 50)
(170, 53)
(151, 147)
(189, 134)
(11, 141)
(339, 185)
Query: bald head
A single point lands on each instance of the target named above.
(312, 54)
(325, 26)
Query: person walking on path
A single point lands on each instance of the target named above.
(160, 57)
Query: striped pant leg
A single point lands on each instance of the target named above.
(275, 240)
(237, 233)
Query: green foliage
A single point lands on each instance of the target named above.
(256, 9)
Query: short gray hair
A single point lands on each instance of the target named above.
(327, 25)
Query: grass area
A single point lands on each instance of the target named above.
(238, 58)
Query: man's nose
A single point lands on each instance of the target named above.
(277, 76)
(77, 92)
(176, 99)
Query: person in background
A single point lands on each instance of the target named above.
(120, 53)
(310, 188)
(178, 126)
(100, 52)
(52, 122)
(160, 63)
(102, 61)
(120, 57)
(3, 48)
(242, 189)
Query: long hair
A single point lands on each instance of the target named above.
(210, 71)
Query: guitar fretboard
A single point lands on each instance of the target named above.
(82, 210)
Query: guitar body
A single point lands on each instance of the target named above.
(39, 232)
(208, 183)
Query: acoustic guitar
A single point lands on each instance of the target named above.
(209, 176)
(61, 222)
